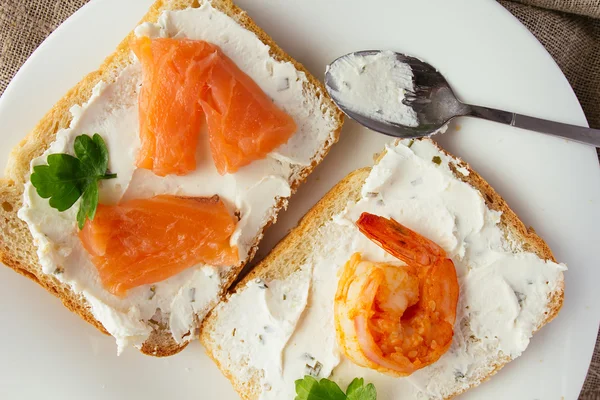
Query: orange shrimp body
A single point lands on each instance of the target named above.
(396, 319)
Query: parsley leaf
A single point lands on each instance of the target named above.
(358, 391)
(355, 385)
(66, 178)
(92, 152)
(88, 205)
(57, 181)
(311, 389)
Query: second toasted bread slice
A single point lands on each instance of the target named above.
(510, 284)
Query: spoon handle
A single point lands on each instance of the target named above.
(572, 132)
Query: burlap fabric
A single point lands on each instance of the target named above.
(570, 30)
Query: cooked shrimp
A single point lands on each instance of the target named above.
(396, 319)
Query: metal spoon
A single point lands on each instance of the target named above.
(435, 104)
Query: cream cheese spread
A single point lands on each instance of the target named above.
(504, 290)
(253, 191)
(375, 86)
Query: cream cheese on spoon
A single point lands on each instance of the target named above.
(374, 85)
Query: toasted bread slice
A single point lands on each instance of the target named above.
(17, 249)
(305, 241)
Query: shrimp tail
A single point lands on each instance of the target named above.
(399, 241)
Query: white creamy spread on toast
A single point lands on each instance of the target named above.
(374, 85)
(254, 190)
(504, 290)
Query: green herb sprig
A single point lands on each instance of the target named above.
(311, 389)
(66, 178)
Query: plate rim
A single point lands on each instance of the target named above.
(23, 70)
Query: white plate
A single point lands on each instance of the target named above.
(554, 185)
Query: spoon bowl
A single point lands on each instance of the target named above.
(435, 104)
(432, 99)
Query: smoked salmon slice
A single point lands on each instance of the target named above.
(169, 112)
(144, 241)
(243, 123)
(186, 81)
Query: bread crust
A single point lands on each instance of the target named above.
(291, 252)
(17, 249)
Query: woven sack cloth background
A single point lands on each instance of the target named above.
(569, 29)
